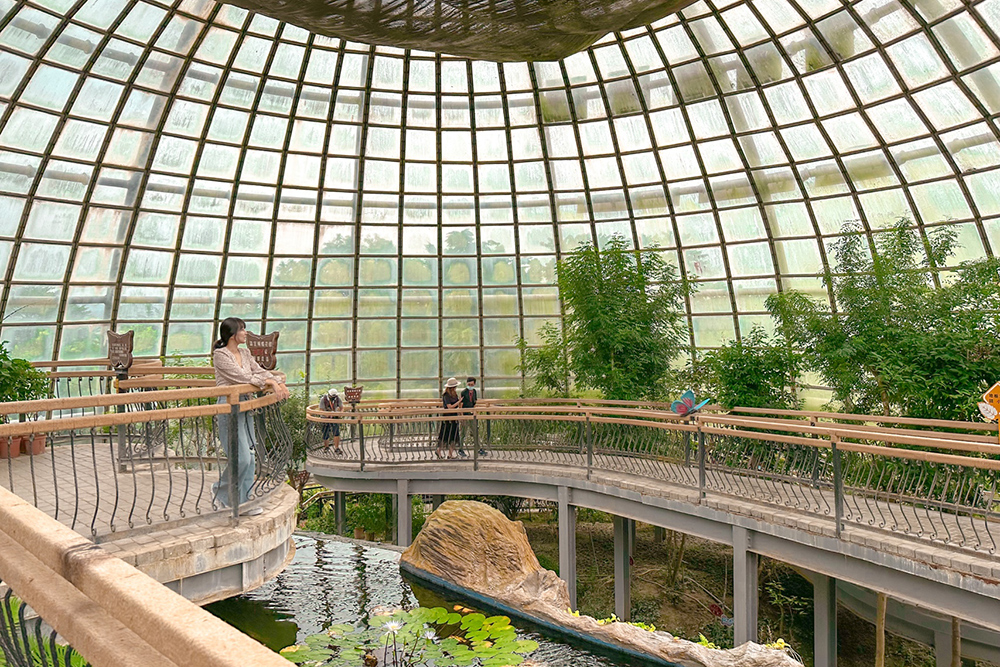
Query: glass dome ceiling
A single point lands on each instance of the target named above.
(398, 214)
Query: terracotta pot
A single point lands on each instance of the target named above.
(10, 447)
(359, 533)
(33, 444)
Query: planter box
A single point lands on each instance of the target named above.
(10, 447)
(34, 444)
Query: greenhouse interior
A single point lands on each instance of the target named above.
(693, 306)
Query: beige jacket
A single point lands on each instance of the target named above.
(229, 371)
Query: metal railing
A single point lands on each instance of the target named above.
(107, 463)
(925, 479)
(27, 641)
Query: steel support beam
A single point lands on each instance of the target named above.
(340, 510)
(567, 543)
(825, 620)
(623, 568)
(942, 648)
(404, 512)
(436, 501)
(745, 592)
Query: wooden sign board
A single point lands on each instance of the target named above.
(120, 350)
(264, 349)
(992, 397)
(353, 394)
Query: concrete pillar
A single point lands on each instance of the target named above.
(436, 501)
(745, 591)
(948, 645)
(825, 620)
(942, 648)
(340, 510)
(623, 568)
(404, 512)
(567, 543)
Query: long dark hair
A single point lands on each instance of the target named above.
(227, 329)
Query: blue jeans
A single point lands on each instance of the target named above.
(246, 442)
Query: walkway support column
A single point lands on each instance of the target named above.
(404, 511)
(948, 645)
(340, 510)
(745, 592)
(623, 568)
(567, 543)
(436, 501)
(825, 620)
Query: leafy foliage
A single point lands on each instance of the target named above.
(293, 413)
(898, 344)
(548, 365)
(755, 372)
(624, 323)
(420, 637)
(19, 380)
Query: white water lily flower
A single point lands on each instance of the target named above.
(393, 626)
(430, 635)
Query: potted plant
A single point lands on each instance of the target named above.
(20, 381)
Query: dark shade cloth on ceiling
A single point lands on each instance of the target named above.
(501, 30)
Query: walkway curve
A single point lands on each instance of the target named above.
(649, 467)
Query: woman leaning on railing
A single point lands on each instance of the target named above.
(235, 365)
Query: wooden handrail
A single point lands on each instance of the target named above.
(232, 393)
(842, 416)
(108, 400)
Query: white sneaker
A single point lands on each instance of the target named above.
(253, 511)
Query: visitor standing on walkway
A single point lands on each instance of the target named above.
(448, 433)
(469, 398)
(235, 365)
(331, 403)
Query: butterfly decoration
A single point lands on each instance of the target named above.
(685, 406)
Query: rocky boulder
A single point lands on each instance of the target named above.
(473, 546)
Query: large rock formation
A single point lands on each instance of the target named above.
(476, 547)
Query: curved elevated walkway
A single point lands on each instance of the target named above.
(938, 559)
(134, 473)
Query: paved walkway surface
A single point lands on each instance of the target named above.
(82, 486)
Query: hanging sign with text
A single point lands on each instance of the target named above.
(120, 350)
(264, 349)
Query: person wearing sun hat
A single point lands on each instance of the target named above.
(448, 433)
(331, 402)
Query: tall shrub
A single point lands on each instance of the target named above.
(755, 372)
(624, 321)
(897, 343)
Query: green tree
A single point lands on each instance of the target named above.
(548, 365)
(755, 372)
(624, 322)
(898, 343)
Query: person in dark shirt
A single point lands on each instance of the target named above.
(448, 434)
(469, 399)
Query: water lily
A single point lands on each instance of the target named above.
(393, 626)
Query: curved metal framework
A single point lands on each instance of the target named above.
(397, 214)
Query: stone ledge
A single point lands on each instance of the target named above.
(212, 544)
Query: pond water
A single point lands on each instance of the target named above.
(333, 581)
